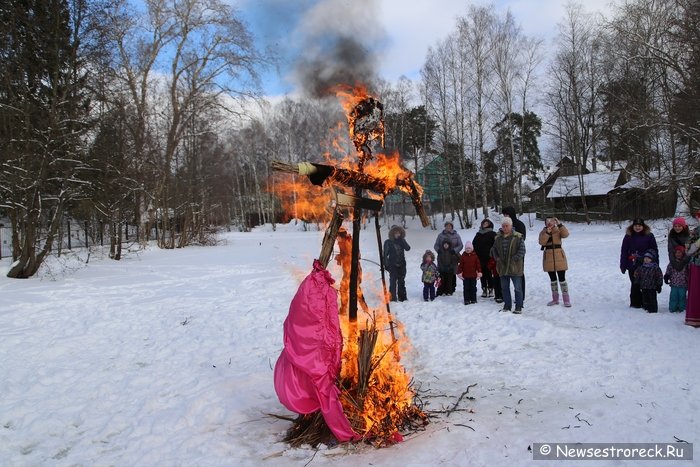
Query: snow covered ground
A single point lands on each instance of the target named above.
(165, 358)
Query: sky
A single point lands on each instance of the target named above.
(394, 35)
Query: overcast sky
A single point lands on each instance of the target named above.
(396, 34)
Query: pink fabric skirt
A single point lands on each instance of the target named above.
(692, 310)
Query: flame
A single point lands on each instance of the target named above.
(300, 199)
(350, 96)
(385, 405)
(379, 407)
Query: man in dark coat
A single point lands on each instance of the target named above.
(395, 262)
(483, 241)
(519, 227)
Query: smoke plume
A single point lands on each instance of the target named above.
(338, 40)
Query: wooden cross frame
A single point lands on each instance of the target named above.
(366, 124)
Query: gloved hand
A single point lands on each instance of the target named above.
(658, 289)
(667, 278)
(623, 270)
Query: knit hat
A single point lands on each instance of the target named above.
(650, 254)
(507, 221)
(468, 246)
(638, 221)
(679, 221)
(427, 254)
(680, 248)
(450, 224)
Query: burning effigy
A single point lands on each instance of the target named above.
(341, 374)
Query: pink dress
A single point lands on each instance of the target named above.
(307, 369)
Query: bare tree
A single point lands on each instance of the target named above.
(574, 93)
(477, 28)
(506, 57)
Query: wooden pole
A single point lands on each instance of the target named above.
(381, 267)
(354, 265)
(329, 237)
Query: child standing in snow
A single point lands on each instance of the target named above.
(650, 278)
(469, 269)
(429, 276)
(677, 277)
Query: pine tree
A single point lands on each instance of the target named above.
(42, 113)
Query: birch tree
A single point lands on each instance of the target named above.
(574, 93)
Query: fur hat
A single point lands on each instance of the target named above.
(506, 221)
(488, 222)
(396, 229)
(679, 221)
(468, 246)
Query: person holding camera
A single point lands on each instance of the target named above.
(554, 259)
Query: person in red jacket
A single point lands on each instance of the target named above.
(469, 270)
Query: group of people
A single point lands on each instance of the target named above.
(639, 259)
(495, 260)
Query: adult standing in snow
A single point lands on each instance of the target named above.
(692, 310)
(451, 236)
(509, 252)
(483, 241)
(447, 261)
(554, 259)
(395, 262)
(677, 236)
(519, 227)
(638, 240)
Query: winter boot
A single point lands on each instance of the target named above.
(490, 292)
(555, 294)
(565, 294)
(483, 292)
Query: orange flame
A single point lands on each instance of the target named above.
(302, 200)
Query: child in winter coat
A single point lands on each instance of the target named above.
(429, 276)
(650, 278)
(469, 269)
(447, 264)
(492, 267)
(677, 277)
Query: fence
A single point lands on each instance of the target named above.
(72, 235)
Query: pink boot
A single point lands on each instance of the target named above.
(555, 299)
(567, 301)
